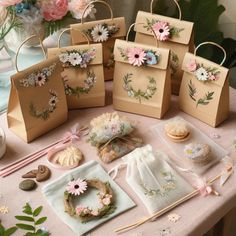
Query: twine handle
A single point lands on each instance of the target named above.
(154, 34)
(176, 3)
(215, 44)
(68, 29)
(26, 40)
(96, 1)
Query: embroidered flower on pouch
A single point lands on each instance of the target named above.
(162, 30)
(173, 217)
(76, 187)
(201, 74)
(100, 33)
(75, 58)
(136, 56)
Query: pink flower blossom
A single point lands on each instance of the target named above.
(54, 9)
(106, 201)
(77, 8)
(94, 212)
(162, 30)
(76, 187)
(7, 3)
(191, 65)
(79, 209)
(213, 77)
(136, 56)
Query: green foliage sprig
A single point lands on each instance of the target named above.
(7, 232)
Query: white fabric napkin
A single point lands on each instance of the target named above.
(54, 193)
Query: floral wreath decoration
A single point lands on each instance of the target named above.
(76, 188)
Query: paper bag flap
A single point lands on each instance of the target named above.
(22, 77)
(52, 52)
(121, 46)
(204, 70)
(145, 20)
(77, 37)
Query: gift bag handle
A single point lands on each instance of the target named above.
(96, 1)
(68, 29)
(26, 40)
(132, 25)
(215, 44)
(176, 3)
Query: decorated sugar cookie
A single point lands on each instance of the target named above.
(177, 130)
(198, 153)
(76, 188)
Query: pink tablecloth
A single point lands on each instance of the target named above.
(197, 215)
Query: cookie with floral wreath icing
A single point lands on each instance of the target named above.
(177, 130)
(76, 188)
(198, 153)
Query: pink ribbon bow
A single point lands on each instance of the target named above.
(204, 188)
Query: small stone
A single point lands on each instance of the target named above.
(27, 185)
(43, 173)
(30, 174)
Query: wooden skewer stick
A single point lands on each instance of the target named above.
(168, 208)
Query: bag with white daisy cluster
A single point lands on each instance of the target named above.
(37, 101)
(104, 31)
(155, 182)
(175, 34)
(142, 82)
(204, 91)
(83, 73)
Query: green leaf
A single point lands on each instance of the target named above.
(2, 229)
(26, 227)
(10, 231)
(27, 208)
(25, 218)
(41, 220)
(37, 211)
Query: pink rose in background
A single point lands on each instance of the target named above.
(191, 65)
(106, 201)
(7, 3)
(54, 9)
(77, 7)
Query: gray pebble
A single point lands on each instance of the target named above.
(27, 185)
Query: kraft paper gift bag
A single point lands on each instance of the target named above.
(154, 181)
(37, 101)
(204, 91)
(142, 82)
(101, 31)
(175, 34)
(83, 74)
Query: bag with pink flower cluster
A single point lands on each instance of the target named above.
(83, 73)
(101, 31)
(37, 101)
(142, 83)
(175, 34)
(204, 91)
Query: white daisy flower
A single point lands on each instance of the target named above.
(53, 101)
(100, 33)
(31, 79)
(201, 74)
(40, 79)
(75, 58)
(64, 57)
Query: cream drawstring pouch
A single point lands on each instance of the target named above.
(155, 182)
(54, 194)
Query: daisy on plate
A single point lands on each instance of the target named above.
(40, 79)
(201, 74)
(136, 56)
(100, 33)
(162, 30)
(76, 187)
(75, 58)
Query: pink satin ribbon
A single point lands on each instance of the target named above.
(203, 188)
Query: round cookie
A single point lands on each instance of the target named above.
(177, 130)
(198, 153)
